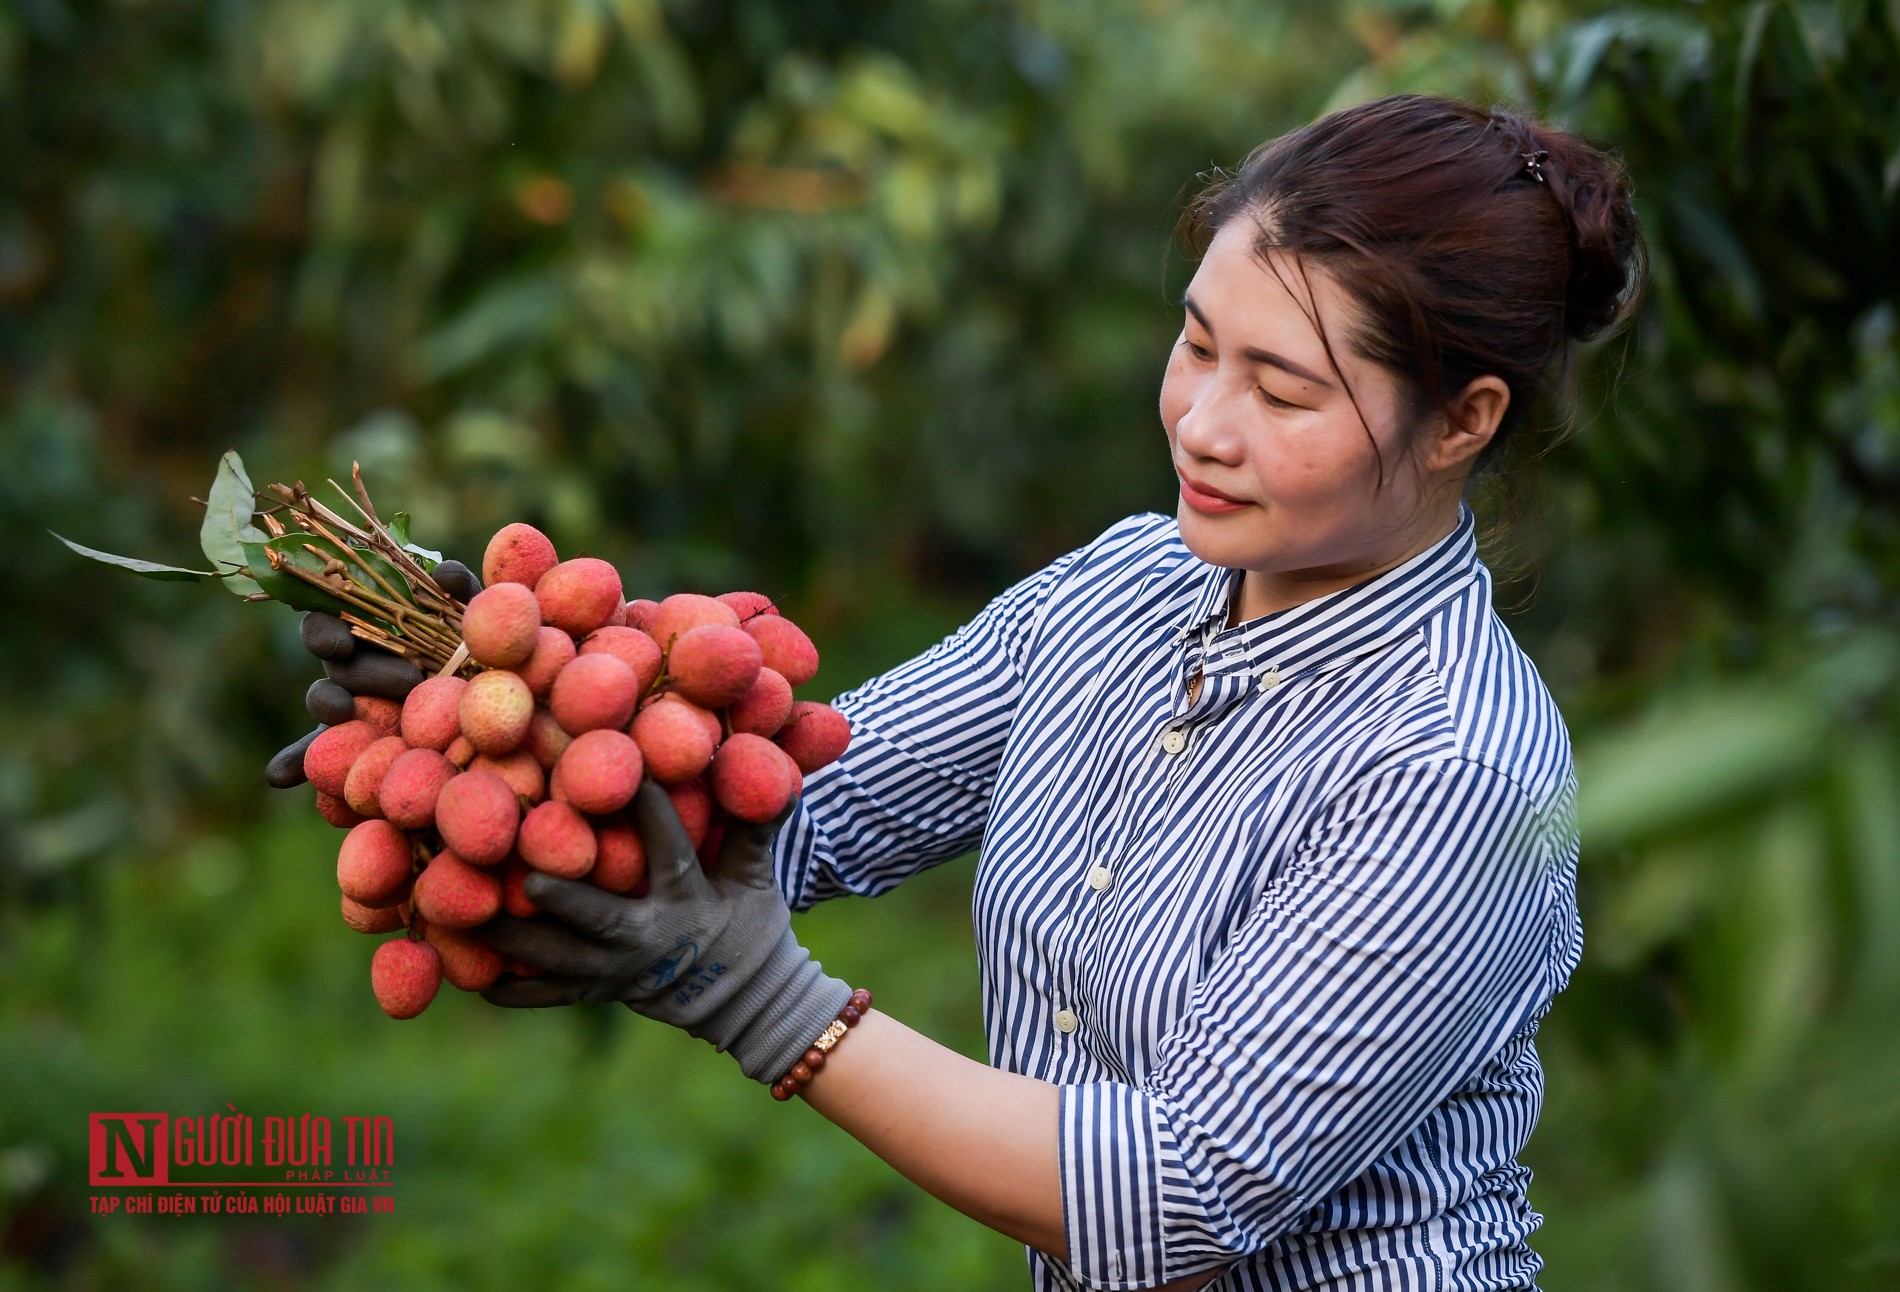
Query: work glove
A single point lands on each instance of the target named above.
(353, 667)
(713, 954)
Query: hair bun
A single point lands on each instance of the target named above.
(1606, 243)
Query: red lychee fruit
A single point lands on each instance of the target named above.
(596, 691)
(546, 739)
(460, 752)
(477, 815)
(784, 647)
(467, 962)
(714, 665)
(599, 772)
(763, 709)
(327, 761)
(384, 715)
(815, 734)
(752, 778)
(366, 774)
(553, 649)
(502, 625)
(519, 769)
(517, 553)
(692, 802)
(620, 861)
(673, 741)
(514, 898)
(748, 604)
(640, 612)
(410, 787)
(556, 839)
(618, 619)
(579, 596)
(372, 866)
(370, 919)
(631, 647)
(429, 718)
(495, 711)
(333, 809)
(405, 975)
(684, 611)
(454, 894)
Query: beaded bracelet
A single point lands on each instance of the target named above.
(800, 1076)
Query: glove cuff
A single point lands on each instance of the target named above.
(781, 1010)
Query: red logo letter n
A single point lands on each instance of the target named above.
(127, 1150)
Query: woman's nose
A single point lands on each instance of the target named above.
(1210, 426)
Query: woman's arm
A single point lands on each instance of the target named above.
(979, 1139)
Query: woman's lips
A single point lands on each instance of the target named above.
(1206, 501)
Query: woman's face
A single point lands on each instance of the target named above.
(1278, 475)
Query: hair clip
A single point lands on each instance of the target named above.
(1534, 163)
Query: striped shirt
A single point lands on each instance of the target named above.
(1283, 946)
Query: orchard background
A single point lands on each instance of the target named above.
(866, 307)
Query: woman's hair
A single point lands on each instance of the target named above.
(1475, 241)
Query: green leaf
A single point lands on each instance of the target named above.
(292, 591)
(227, 524)
(399, 530)
(144, 569)
(287, 588)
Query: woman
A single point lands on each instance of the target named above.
(1278, 848)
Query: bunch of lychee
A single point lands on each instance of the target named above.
(453, 795)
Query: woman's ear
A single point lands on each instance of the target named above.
(1470, 421)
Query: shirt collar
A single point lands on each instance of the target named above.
(1337, 627)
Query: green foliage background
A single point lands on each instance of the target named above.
(866, 306)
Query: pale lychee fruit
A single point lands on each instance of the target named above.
(748, 604)
(333, 809)
(556, 839)
(519, 769)
(546, 739)
(366, 774)
(631, 647)
(579, 596)
(454, 894)
(673, 741)
(384, 715)
(409, 789)
(467, 962)
(639, 614)
(684, 611)
(599, 772)
(785, 647)
(477, 815)
(752, 778)
(495, 711)
(517, 553)
(370, 919)
(405, 975)
(514, 897)
(460, 752)
(429, 718)
(692, 802)
(373, 864)
(618, 619)
(620, 861)
(763, 709)
(502, 625)
(552, 651)
(714, 665)
(815, 734)
(595, 691)
(327, 761)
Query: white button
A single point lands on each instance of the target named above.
(1270, 679)
(1174, 741)
(1066, 1021)
(1100, 878)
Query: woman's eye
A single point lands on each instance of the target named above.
(1274, 401)
(1198, 352)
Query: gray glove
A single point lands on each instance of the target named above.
(712, 954)
(353, 667)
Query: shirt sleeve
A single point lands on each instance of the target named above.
(913, 787)
(1404, 941)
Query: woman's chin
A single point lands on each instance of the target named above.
(1221, 540)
